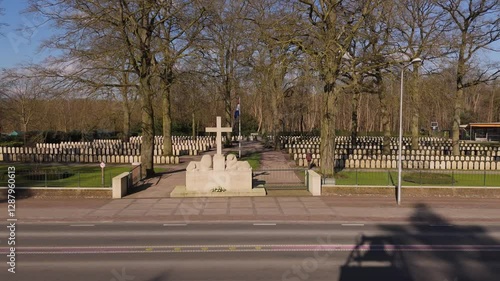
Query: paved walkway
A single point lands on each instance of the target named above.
(356, 209)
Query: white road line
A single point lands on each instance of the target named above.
(82, 225)
(264, 224)
(353, 224)
(174, 224)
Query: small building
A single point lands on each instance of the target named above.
(14, 134)
(483, 131)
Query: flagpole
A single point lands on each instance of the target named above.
(239, 129)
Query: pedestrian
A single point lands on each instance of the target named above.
(309, 160)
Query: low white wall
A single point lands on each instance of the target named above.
(314, 183)
(120, 184)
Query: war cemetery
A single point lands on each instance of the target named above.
(311, 140)
(94, 165)
(281, 111)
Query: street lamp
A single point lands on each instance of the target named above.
(415, 60)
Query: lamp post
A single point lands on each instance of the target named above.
(400, 167)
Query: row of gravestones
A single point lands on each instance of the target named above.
(370, 152)
(177, 150)
(158, 140)
(476, 148)
(112, 151)
(72, 158)
(404, 157)
(466, 149)
(406, 164)
(377, 143)
(134, 143)
(425, 158)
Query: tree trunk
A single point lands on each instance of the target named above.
(461, 70)
(456, 122)
(275, 119)
(327, 145)
(125, 107)
(354, 116)
(167, 122)
(147, 127)
(229, 117)
(415, 106)
(193, 125)
(384, 117)
(126, 116)
(167, 80)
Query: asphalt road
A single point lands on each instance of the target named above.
(247, 251)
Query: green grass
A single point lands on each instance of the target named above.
(54, 175)
(445, 178)
(428, 178)
(253, 159)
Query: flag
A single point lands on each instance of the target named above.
(237, 112)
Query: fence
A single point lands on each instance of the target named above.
(281, 178)
(418, 178)
(47, 178)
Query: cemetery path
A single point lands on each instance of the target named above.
(278, 170)
(162, 185)
(272, 159)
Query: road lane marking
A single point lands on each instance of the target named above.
(82, 225)
(175, 224)
(353, 224)
(264, 224)
(255, 248)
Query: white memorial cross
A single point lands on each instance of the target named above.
(219, 130)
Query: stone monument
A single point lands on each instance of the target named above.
(218, 175)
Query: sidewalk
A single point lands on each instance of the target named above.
(257, 209)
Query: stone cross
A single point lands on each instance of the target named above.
(219, 130)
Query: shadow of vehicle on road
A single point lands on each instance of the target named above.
(429, 248)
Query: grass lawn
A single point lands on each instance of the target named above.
(253, 158)
(417, 178)
(63, 175)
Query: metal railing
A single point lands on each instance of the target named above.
(47, 178)
(282, 178)
(360, 177)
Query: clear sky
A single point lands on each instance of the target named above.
(23, 35)
(21, 39)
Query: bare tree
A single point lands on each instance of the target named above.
(181, 23)
(476, 27)
(333, 25)
(25, 96)
(224, 48)
(133, 31)
(420, 32)
(275, 61)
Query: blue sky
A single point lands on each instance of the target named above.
(22, 47)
